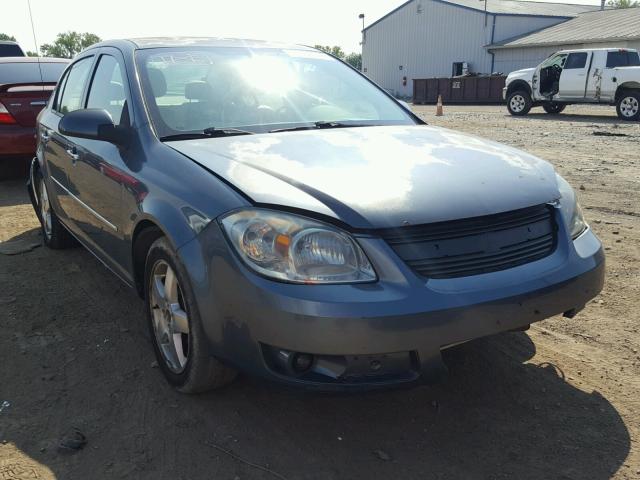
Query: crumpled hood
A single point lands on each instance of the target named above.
(525, 74)
(371, 177)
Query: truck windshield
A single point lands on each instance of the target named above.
(258, 90)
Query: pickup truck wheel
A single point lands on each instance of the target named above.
(554, 108)
(519, 103)
(177, 334)
(628, 106)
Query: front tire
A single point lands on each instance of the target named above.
(554, 108)
(55, 235)
(175, 326)
(628, 106)
(519, 103)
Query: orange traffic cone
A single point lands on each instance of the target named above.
(439, 112)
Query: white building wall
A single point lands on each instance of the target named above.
(425, 38)
(425, 44)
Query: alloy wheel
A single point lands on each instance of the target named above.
(517, 103)
(629, 107)
(45, 209)
(169, 317)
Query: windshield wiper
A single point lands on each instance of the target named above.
(320, 125)
(211, 132)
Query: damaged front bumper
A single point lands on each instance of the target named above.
(353, 337)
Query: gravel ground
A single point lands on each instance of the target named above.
(559, 401)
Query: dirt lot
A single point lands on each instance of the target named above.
(560, 401)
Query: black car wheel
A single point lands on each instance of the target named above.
(553, 107)
(55, 235)
(519, 103)
(174, 323)
(628, 106)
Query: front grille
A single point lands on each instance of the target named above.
(476, 245)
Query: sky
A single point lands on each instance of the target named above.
(329, 22)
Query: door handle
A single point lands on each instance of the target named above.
(73, 153)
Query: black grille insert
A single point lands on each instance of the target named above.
(476, 245)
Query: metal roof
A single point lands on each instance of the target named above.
(509, 7)
(600, 26)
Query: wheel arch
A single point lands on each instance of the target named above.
(518, 85)
(625, 87)
(144, 234)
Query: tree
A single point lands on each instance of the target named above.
(336, 51)
(355, 60)
(623, 3)
(4, 36)
(67, 45)
(31, 54)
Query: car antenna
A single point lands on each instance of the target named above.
(33, 30)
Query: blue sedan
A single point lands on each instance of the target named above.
(282, 215)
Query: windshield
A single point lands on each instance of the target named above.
(258, 90)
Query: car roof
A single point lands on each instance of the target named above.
(162, 42)
(611, 49)
(33, 60)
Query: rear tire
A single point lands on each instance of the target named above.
(179, 341)
(554, 108)
(628, 106)
(519, 103)
(55, 235)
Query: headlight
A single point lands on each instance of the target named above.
(296, 249)
(571, 211)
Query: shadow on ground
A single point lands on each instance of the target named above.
(76, 355)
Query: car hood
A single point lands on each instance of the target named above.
(524, 73)
(371, 177)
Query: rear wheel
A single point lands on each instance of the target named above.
(628, 106)
(519, 103)
(176, 330)
(55, 235)
(553, 107)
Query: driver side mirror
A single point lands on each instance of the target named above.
(91, 123)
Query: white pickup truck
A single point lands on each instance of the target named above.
(602, 75)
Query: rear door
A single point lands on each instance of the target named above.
(60, 152)
(573, 79)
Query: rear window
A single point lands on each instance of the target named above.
(623, 58)
(10, 50)
(28, 72)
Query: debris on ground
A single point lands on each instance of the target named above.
(73, 440)
(382, 455)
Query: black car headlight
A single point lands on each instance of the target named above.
(571, 211)
(296, 249)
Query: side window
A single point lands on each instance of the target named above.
(622, 58)
(576, 60)
(74, 86)
(58, 97)
(107, 88)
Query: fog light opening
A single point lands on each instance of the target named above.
(301, 362)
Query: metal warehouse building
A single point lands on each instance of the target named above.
(436, 38)
(602, 29)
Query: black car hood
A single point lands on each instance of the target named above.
(371, 177)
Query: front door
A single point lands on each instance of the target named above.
(573, 79)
